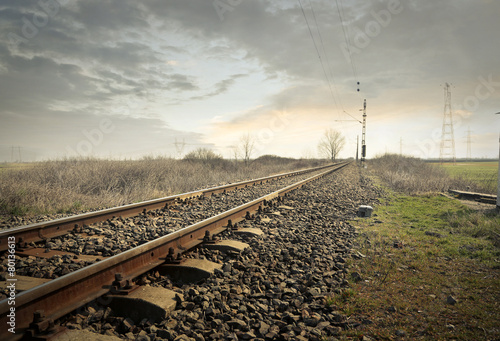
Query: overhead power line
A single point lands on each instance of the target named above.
(340, 10)
(331, 80)
(319, 55)
(326, 57)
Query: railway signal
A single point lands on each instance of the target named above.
(363, 135)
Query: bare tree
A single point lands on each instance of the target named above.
(331, 144)
(202, 154)
(179, 147)
(247, 146)
(235, 153)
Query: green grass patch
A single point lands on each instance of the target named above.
(419, 251)
(485, 174)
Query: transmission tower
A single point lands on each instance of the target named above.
(447, 151)
(469, 154)
(12, 153)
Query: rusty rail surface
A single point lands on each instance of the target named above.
(53, 228)
(65, 294)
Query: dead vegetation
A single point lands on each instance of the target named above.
(411, 176)
(75, 185)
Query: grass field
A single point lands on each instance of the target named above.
(431, 266)
(14, 165)
(485, 174)
(431, 272)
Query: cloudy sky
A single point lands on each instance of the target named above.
(125, 79)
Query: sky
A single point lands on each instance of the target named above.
(130, 79)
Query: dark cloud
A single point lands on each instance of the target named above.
(220, 87)
(57, 134)
(69, 65)
(181, 82)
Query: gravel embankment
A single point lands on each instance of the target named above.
(120, 234)
(274, 290)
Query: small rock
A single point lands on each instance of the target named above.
(356, 277)
(392, 309)
(433, 234)
(397, 244)
(314, 291)
(400, 332)
(127, 324)
(226, 267)
(247, 336)
(166, 334)
(451, 300)
(237, 324)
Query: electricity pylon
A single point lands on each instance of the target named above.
(447, 150)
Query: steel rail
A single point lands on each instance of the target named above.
(65, 294)
(53, 228)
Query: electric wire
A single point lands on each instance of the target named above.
(347, 39)
(319, 55)
(326, 56)
(348, 47)
(340, 11)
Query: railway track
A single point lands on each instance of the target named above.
(64, 294)
(53, 228)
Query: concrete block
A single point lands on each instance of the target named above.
(365, 211)
(226, 245)
(190, 270)
(154, 303)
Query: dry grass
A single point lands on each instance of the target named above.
(412, 176)
(75, 185)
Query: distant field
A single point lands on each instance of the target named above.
(484, 174)
(12, 165)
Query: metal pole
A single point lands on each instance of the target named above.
(498, 181)
(363, 135)
(357, 148)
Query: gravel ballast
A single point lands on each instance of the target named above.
(274, 290)
(114, 236)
